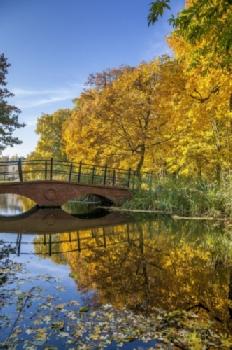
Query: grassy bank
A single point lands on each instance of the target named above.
(184, 196)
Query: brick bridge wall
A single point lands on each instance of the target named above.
(56, 193)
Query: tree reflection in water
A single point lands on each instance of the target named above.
(150, 264)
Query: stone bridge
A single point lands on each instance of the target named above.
(52, 183)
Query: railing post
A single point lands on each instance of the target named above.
(93, 174)
(46, 170)
(128, 179)
(78, 242)
(50, 245)
(104, 237)
(128, 233)
(114, 177)
(133, 182)
(105, 173)
(20, 170)
(70, 173)
(18, 243)
(51, 169)
(79, 173)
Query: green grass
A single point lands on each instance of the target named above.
(184, 196)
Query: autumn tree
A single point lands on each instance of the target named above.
(171, 114)
(49, 128)
(201, 44)
(124, 123)
(8, 113)
(207, 68)
(203, 23)
(101, 80)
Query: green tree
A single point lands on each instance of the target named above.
(8, 113)
(157, 9)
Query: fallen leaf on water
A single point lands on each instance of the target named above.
(84, 309)
(58, 325)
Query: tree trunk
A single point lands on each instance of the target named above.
(140, 165)
(230, 293)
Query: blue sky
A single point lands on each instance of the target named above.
(53, 45)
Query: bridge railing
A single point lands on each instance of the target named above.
(9, 171)
(53, 170)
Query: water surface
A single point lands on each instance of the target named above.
(113, 268)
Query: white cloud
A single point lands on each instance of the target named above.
(29, 98)
(43, 101)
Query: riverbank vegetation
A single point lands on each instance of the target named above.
(184, 196)
(170, 116)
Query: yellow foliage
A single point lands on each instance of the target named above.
(167, 115)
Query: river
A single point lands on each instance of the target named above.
(86, 278)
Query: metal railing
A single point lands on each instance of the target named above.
(55, 170)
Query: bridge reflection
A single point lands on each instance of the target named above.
(103, 237)
(53, 220)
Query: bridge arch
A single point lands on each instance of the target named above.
(105, 200)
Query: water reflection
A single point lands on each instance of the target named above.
(19, 214)
(143, 264)
(49, 220)
(146, 265)
(13, 204)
